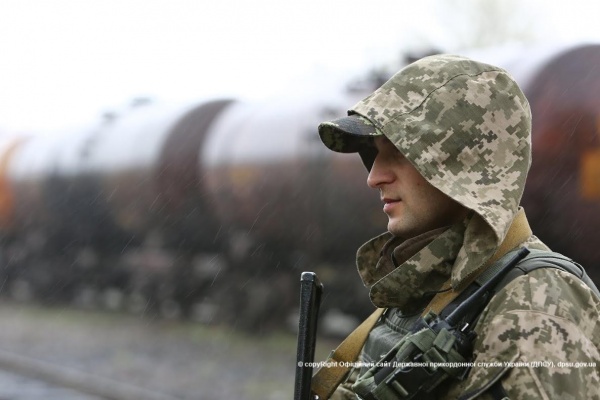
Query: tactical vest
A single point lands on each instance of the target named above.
(397, 332)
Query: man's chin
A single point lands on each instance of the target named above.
(403, 230)
(396, 229)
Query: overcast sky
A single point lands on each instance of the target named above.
(67, 61)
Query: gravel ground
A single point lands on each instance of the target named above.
(183, 360)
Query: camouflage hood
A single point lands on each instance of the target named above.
(466, 127)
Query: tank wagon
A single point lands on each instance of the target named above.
(213, 209)
(209, 210)
(562, 197)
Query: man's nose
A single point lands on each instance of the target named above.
(379, 174)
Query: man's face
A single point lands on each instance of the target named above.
(412, 204)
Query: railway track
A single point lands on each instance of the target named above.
(25, 378)
(70, 354)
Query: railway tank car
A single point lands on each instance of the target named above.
(562, 196)
(83, 195)
(213, 209)
(210, 210)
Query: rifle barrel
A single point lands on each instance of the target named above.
(310, 300)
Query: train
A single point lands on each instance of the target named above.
(209, 210)
(212, 209)
(562, 194)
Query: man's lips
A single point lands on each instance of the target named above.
(389, 203)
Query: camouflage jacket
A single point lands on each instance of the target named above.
(466, 127)
(537, 336)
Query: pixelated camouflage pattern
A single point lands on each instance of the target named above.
(348, 134)
(548, 315)
(426, 263)
(466, 127)
(545, 316)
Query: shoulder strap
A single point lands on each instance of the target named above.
(327, 379)
(548, 259)
(534, 260)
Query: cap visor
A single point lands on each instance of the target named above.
(348, 134)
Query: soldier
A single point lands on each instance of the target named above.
(447, 142)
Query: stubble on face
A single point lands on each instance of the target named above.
(412, 204)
